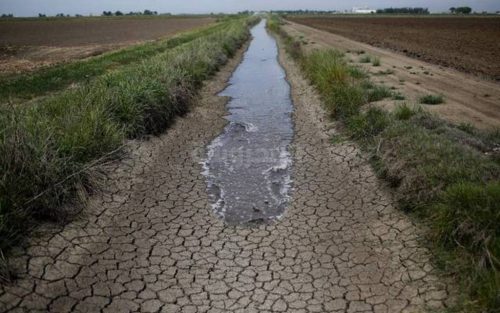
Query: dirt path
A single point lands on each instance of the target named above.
(467, 98)
(466, 43)
(151, 243)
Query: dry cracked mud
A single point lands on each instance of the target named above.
(149, 241)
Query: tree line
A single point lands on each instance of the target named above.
(120, 13)
(403, 11)
(303, 12)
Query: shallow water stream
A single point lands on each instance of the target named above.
(248, 165)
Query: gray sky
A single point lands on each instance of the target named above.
(52, 7)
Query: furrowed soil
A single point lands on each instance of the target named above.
(26, 44)
(468, 98)
(150, 241)
(469, 44)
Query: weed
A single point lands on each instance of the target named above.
(404, 112)
(378, 93)
(375, 61)
(467, 127)
(386, 72)
(337, 139)
(357, 72)
(431, 99)
(369, 124)
(398, 96)
(365, 59)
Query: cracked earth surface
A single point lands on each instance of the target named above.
(149, 241)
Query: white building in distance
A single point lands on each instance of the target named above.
(363, 10)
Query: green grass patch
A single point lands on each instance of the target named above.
(376, 61)
(431, 99)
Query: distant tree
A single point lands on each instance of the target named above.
(453, 10)
(41, 15)
(78, 15)
(149, 12)
(118, 13)
(107, 13)
(463, 10)
(60, 15)
(10, 15)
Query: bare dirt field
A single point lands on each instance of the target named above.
(468, 98)
(469, 44)
(30, 43)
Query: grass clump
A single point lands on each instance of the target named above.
(365, 59)
(368, 124)
(48, 148)
(378, 93)
(467, 127)
(404, 112)
(398, 96)
(332, 77)
(466, 223)
(376, 61)
(383, 73)
(431, 99)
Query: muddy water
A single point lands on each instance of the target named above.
(248, 165)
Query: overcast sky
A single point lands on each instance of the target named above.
(52, 7)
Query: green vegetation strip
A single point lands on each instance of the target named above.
(57, 77)
(447, 175)
(47, 148)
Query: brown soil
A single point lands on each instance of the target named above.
(27, 44)
(469, 44)
(468, 99)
